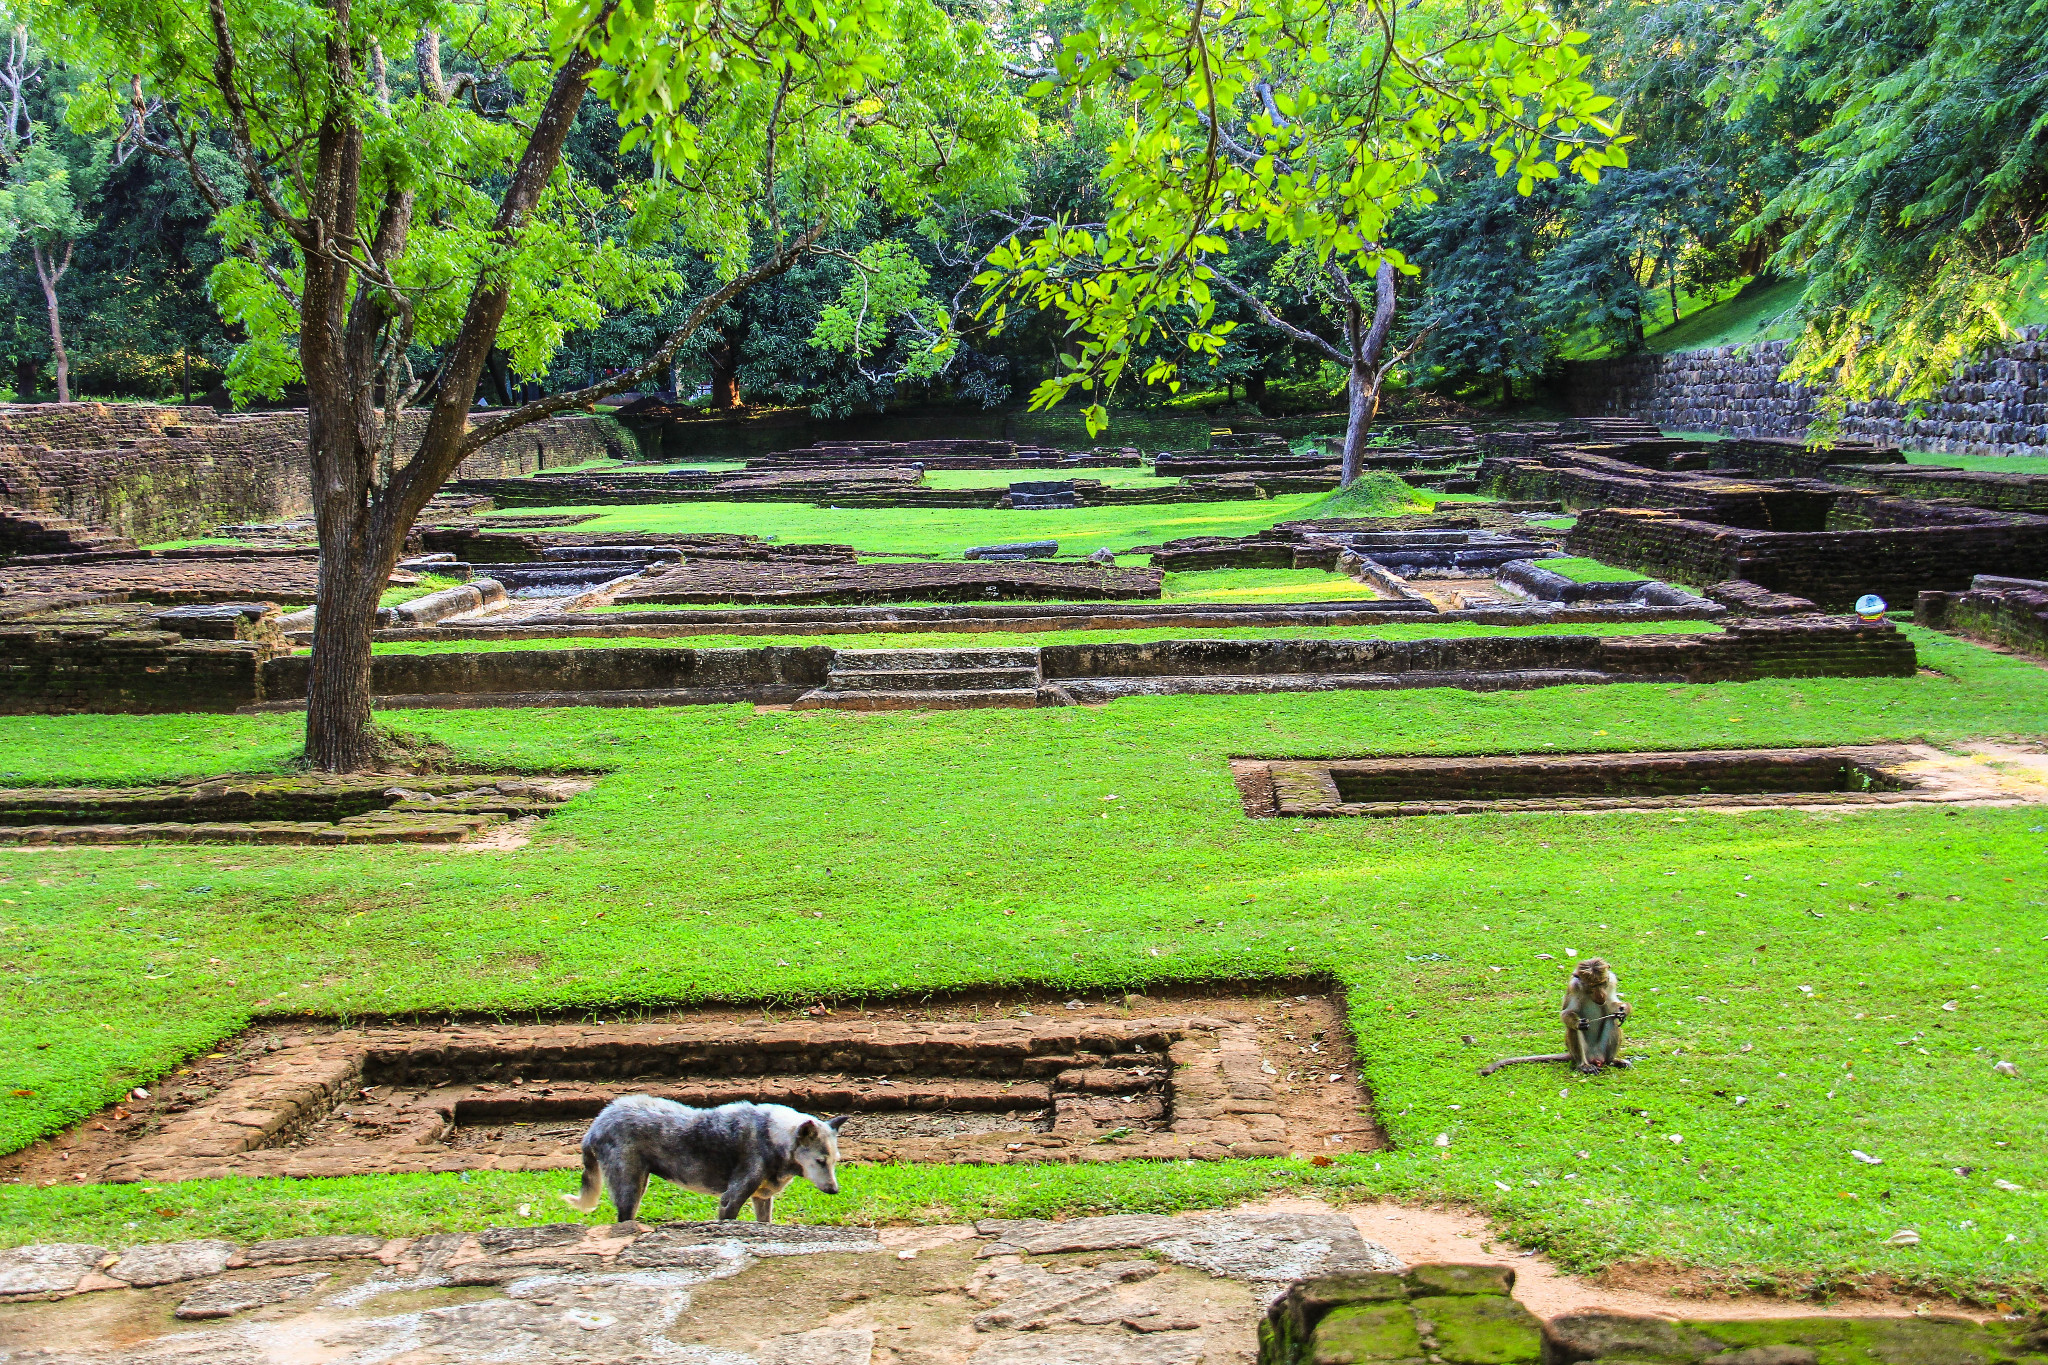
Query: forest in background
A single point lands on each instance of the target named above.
(1887, 161)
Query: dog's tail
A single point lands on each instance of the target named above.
(585, 1199)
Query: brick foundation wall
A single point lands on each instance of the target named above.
(112, 658)
(2014, 615)
(1998, 406)
(1791, 647)
(154, 472)
(1832, 568)
(652, 669)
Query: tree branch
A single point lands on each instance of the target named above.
(541, 408)
(1281, 325)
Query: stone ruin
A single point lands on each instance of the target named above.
(149, 472)
(1761, 537)
(1843, 778)
(1213, 1075)
(2008, 612)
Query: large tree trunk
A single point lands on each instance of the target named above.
(1367, 346)
(725, 369)
(339, 735)
(49, 275)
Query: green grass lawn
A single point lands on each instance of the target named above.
(951, 530)
(1003, 478)
(1993, 464)
(738, 855)
(1581, 570)
(1762, 311)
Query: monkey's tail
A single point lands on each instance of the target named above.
(1492, 1067)
(585, 1199)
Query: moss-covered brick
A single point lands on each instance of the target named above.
(1616, 1338)
(1480, 1329)
(1874, 1341)
(1359, 1333)
(1461, 1279)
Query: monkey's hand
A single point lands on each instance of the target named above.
(1620, 1010)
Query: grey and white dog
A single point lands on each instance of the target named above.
(736, 1151)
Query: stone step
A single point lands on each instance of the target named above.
(824, 698)
(924, 660)
(929, 679)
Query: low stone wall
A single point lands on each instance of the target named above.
(1832, 567)
(665, 676)
(1791, 647)
(1998, 406)
(117, 658)
(2002, 611)
(155, 472)
(121, 658)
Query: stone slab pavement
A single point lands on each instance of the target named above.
(1090, 1291)
(1135, 1289)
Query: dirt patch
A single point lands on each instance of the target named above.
(1201, 1076)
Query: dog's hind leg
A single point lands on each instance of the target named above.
(628, 1178)
(764, 1208)
(585, 1199)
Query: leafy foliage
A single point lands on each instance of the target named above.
(1306, 125)
(1919, 220)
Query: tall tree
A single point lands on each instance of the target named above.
(1918, 221)
(40, 207)
(1306, 122)
(398, 207)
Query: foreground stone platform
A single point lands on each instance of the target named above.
(1098, 1291)
(1229, 1288)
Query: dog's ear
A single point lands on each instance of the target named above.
(808, 1132)
(836, 1124)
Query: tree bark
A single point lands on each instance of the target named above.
(49, 275)
(1367, 346)
(725, 370)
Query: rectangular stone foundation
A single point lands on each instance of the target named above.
(1206, 1078)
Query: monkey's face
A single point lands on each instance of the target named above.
(1592, 974)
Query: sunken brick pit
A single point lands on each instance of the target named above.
(1859, 776)
(445, 808)
(1202, 1076)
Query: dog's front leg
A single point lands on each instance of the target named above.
(739, 1189)
(764, 1208)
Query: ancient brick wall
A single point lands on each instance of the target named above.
(1998, 406)
(153, 472)
(1832, 567)
(651, 670)
(2010, 612)
(113, 658)
(1793, 647)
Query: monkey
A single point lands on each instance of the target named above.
(1593, 1014)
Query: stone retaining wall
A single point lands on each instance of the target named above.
(772, 673)
(1783, 648)
(1998, 406)
(156, 472)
